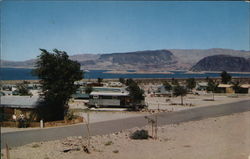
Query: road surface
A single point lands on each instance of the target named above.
(20, 138)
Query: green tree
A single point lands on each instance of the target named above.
(122, 80)
(135, 92)
(225, 77)
(99, 80)
(22, 89)
(167, 85)
(236, 87)
(211, 86)
(129, 81)
(190, 83)
(179, 91)
(57, 74)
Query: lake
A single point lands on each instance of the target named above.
(25, 74)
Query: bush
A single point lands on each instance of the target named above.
(35, 146)
(70, 115)
(108, 143)
(139, 134)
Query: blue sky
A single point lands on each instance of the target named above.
(111, 26)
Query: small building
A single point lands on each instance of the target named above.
(9, 87)
(161, 91)
(34, 86)
(226, 88)
(115, 84)
(79, 95)
(245, 88)
(17, 105)
(201, 86)
(2, 93)
(81, 83)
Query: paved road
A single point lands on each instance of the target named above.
(24, 137)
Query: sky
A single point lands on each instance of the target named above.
(112, 26)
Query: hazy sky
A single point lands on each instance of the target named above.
(109, 26)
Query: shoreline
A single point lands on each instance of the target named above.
(136, 72)
(117, 79)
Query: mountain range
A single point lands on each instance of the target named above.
(152, 60)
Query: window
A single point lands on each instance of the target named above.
(95, 97)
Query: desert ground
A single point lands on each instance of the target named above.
(192, 101)
(163, 103)
(226, 137)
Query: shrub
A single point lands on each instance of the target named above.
(70, 115)
(108, 143)
(139, 134)
(35, 146)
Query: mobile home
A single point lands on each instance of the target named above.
(109, 99)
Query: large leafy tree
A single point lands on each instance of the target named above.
(57, 74)
(225, 77)
(179, 91)
(135, 92)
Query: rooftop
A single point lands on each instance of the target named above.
(19, 101)
(110, 93)
(225, 85)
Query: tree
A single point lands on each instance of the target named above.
(122, 80)
(211, 86)
(88, 89)
(129, 81)
(167, 85)
(179, 91)
(225, 77)
(99, 80)
(22, 89)
(135, 92)
(191, 83)
(57, 74)
(236, 87)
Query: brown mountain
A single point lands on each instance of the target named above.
(173, 59)
(223, 62)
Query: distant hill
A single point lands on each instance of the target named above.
(18, 64)
(150, 59)
(192, 56)
(173, 59)
(223, 62)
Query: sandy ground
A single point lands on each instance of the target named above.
(193, 100)
(226, 137)
(105, 116)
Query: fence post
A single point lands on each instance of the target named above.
(88, 130)
(7, 152)
(41, 123)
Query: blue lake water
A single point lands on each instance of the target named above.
(25, 74)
